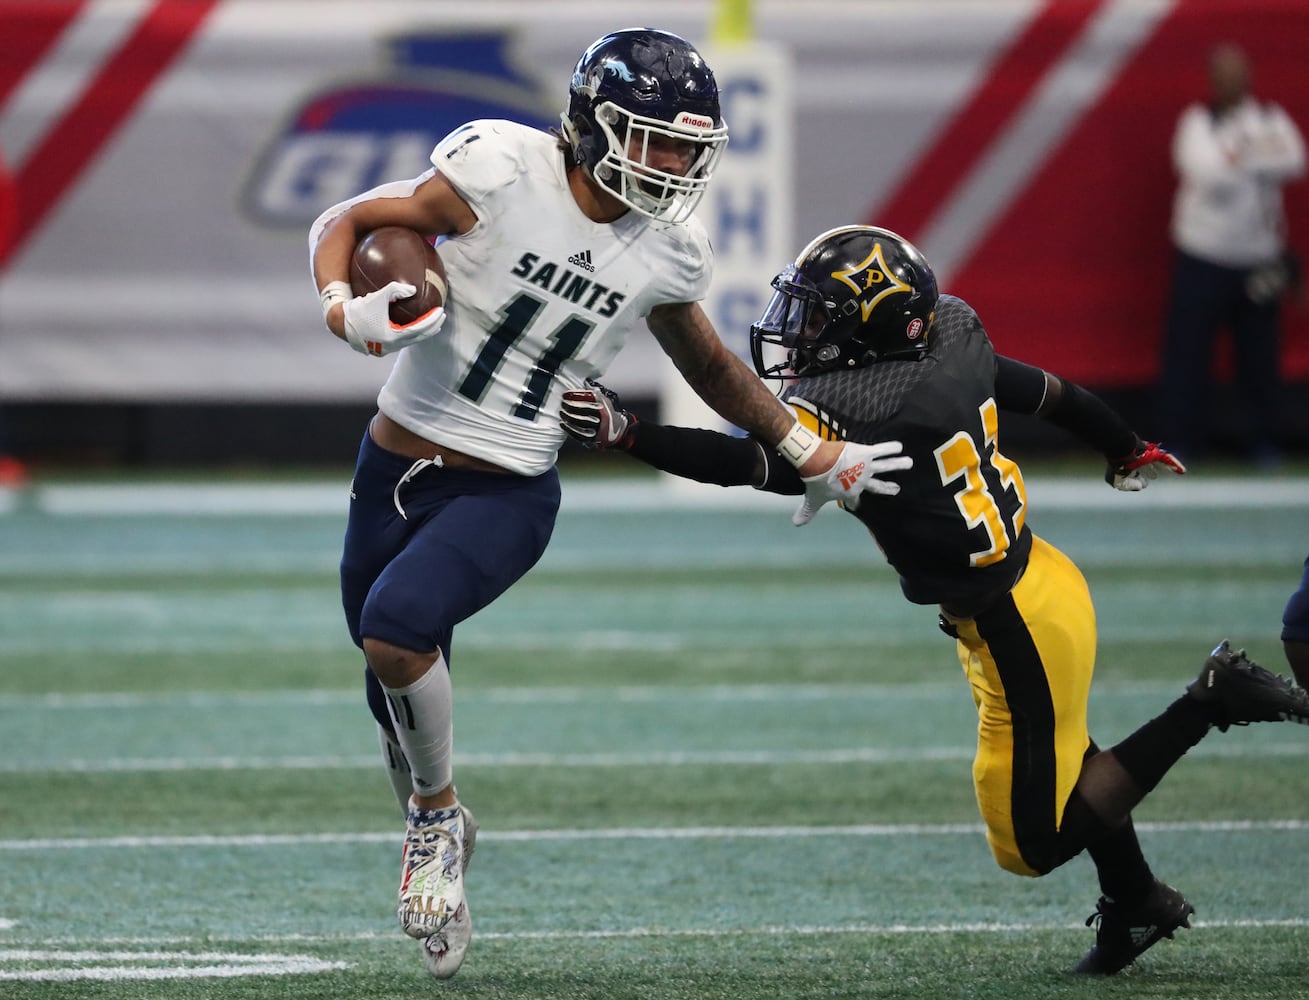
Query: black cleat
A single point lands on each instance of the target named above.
(1244, 692)
(1124, 933)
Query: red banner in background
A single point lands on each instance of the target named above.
(110, 96)
(1072, 273)
(159, 153)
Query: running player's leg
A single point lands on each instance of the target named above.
(468, 549)
(1030, 660)
(458, 542)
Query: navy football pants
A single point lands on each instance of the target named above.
(464, 538)
(1295, 619)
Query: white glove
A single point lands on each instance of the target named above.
(854, 473)
(368, 326)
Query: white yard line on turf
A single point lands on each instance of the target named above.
(653, 758)
(297, 840)
(227, 499)
(767, 930)
(733, 693)
(578, 694)
(71, 965)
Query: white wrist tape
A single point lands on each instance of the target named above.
(336, 291)
(799, 444)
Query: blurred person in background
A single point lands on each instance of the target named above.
(1231, 264)
(556, 246)
(13, 472)
(872, 351)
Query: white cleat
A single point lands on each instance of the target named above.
(432, 906)
(469, 824)
(444, 951)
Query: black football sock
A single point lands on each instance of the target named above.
(1119, 864)
(1145, 757)
(1124, 874)
(1104, 830)
(1159, 744)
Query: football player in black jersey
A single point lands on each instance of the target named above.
(870, 352)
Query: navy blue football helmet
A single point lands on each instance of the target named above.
(628, 87)
(855, 295)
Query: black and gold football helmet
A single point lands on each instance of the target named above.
(855, 295)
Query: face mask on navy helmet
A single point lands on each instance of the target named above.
(638, 88)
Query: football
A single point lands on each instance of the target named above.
(394, 253)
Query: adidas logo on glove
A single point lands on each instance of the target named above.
(850, 476)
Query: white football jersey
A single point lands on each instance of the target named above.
(540, 298)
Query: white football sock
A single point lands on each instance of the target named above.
(423, 714)
(397, 768)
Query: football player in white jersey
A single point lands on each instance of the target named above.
(554, 246)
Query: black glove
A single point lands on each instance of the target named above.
(1133, 473)
(595, 417)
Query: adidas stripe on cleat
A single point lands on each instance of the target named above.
(1124, 933)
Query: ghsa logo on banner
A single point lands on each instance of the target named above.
(352, 137)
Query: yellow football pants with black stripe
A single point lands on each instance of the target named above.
(1029, 661)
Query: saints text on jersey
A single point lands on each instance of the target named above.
(568, 284)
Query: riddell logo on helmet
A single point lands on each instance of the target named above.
(695, 121)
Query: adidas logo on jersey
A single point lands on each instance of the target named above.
(582, 260)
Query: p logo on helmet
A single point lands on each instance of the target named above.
(871, 275)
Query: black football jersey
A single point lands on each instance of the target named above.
(955, 532)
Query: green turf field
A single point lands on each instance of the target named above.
(712, 755)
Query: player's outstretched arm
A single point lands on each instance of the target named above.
(595, 417)
(1130, 461)
(831, 470)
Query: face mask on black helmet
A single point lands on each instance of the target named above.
(855, 295)
(635, 87)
